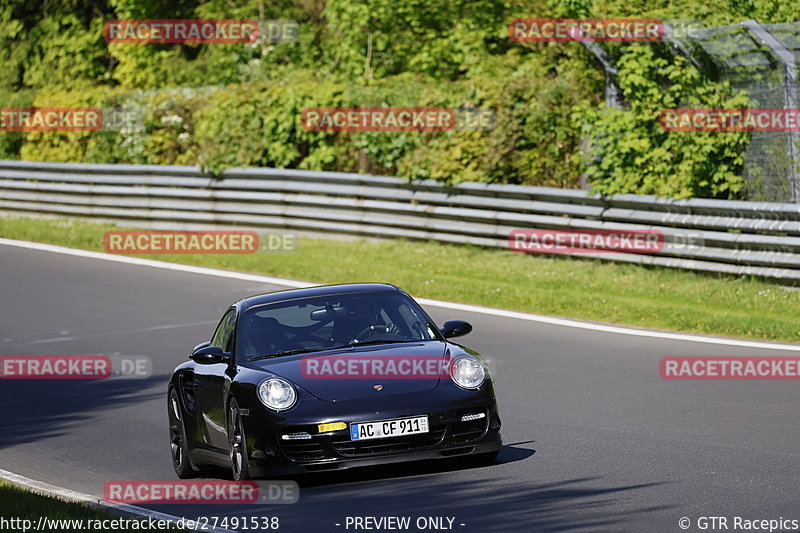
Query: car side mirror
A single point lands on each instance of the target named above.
(209, 355)
(201, 345)
(455, 328)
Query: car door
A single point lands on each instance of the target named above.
(212, 382)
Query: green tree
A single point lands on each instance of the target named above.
(629, 151)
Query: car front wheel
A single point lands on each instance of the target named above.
(237, 444)
(177, 439)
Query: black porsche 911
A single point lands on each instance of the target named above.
(328, 378)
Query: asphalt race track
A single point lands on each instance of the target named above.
(594, 438)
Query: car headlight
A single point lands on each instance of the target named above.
(467, 372)
(277, 394)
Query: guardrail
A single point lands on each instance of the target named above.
(742, 238)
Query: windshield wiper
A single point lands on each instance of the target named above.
(367, 343)
(294, 352)
(278, 354)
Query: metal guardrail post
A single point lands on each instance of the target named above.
(786, 58)
(766, 242)
(611, 89)
(611, 94)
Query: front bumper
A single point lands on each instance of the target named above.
(448, 435)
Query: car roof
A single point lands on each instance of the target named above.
(306, 292)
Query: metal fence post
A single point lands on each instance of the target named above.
(786, 58)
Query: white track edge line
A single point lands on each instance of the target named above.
(46, 489)
(206, 271)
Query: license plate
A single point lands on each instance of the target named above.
(389, 428)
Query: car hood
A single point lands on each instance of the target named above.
(321, 375)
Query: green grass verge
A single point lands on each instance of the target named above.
(18, 505)
(650, 297)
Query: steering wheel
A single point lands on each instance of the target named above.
(369, 331)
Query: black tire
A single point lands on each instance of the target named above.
(177, 439)
(237, 444)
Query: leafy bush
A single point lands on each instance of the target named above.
(258, 125)
(222, 105)
(64, 146)
(377, 38)
(11, 141)
(51, 45)
(631, 153)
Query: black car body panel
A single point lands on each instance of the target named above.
(206, 390)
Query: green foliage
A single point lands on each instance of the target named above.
(68, 53)
(223, 105)
(159, 130)
(11, 141)
(63, 146)
(52, 45)
(260, 126)
(631, 153)
(377, 38)
(148, 66)
(532, 140)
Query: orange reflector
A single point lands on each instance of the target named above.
(335, 426)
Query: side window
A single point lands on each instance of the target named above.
(408, 316)
(416, 323)
(223, 337)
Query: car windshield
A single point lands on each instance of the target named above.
(332, 321)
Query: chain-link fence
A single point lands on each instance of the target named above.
(760, 59)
